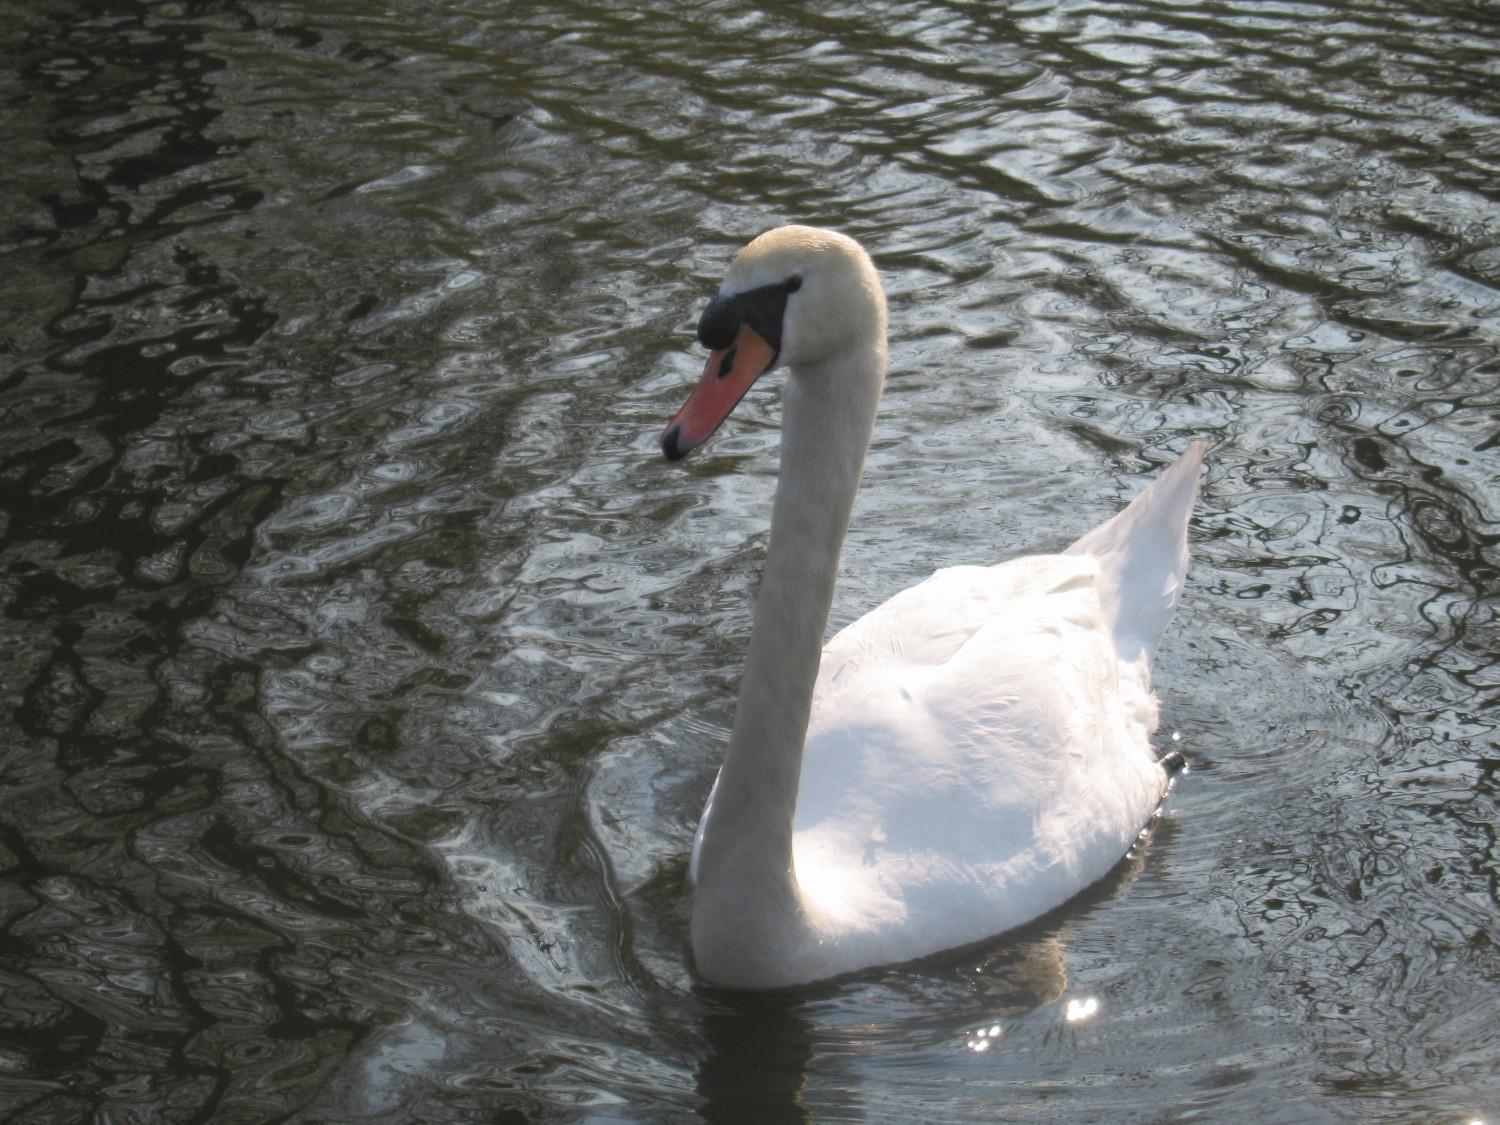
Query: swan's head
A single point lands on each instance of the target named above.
(797, 296)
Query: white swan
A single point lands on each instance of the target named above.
(957, 762)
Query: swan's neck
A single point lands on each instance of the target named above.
(747, 892)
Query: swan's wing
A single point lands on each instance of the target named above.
(977, 754)
(912, 637)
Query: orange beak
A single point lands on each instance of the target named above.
(729, 373)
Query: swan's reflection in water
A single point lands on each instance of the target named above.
(762, 1047)
(1019, 978)
(759, 1048)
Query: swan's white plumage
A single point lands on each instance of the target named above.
(977, 752)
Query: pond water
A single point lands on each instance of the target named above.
(365, 666)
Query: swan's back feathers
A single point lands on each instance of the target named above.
(962, 778)
(1143, 556)
(979, 748)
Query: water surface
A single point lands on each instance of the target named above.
(365, 667)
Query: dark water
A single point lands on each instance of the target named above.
(365, 668)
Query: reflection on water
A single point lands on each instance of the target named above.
(756, 1061)
(365, 670)
(1081, 1009)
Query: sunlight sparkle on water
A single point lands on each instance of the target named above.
(981, 1039)
(1081, 1009)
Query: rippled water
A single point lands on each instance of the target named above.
(365, 667)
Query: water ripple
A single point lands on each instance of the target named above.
(365, 672)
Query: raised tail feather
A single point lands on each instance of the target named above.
(1143, 557)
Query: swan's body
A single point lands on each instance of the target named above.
(957, 762)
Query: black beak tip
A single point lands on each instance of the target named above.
(669, 444)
